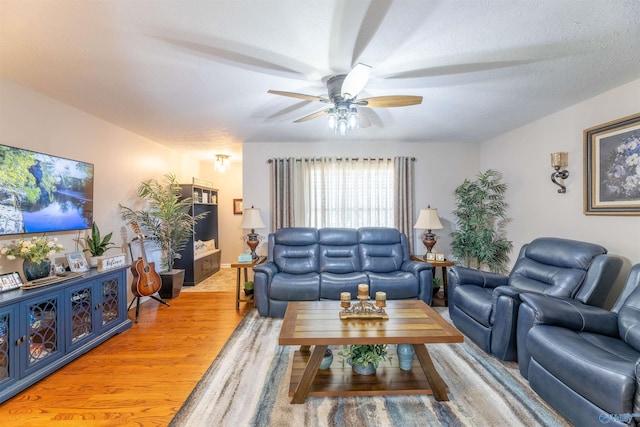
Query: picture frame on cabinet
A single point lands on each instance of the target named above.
(612, 167)
(77, 262)
(237, 206)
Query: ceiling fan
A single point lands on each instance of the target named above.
(343, 90)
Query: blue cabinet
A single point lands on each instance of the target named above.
(43, 329)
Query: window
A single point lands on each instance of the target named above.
(348, 192)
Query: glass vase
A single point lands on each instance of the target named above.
(36, 270)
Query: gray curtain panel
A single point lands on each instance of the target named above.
(282, 192)
(404, 194)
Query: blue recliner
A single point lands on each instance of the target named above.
(308, 264)
(484, 306)
(584, 360)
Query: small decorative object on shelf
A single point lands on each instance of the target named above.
(363, 309)
(405, 356)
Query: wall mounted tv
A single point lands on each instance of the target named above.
(43, 193)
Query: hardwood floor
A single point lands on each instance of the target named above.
(138, 378)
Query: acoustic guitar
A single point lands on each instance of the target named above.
(146, 281)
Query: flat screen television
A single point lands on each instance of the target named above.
(43, 193)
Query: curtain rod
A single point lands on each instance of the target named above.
(413, 159)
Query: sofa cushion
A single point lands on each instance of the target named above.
(598, 367)
(295, 250)
(339, 250)
(475, 302)
(382, 250)
(554, 266)
(332, 284)
(397, 284)
(295, 287)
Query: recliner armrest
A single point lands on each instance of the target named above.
(571, 314)
(469, 276)
(268, 268)
(415, 267)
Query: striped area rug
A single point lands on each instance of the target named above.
(247, 385)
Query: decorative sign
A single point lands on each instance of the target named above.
(112, 262)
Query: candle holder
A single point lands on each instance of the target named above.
(363, 308)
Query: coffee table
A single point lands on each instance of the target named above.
(317, 323)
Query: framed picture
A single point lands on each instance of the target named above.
(612, 168)
(77, 262)
(430, 256)
(237, 206)
(439, 257)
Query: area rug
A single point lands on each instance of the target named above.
(248, 383)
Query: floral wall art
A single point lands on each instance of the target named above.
(612, 168)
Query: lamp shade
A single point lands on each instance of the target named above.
(428, 220)
(252, 218)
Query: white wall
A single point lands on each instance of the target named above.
(122, 159)
(440, 168)
(536, 208)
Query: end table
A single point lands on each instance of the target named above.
(245, 266)
(443, 265)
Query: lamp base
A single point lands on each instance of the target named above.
(429, 240)
(253, 242)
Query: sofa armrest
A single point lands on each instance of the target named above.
(263, 275)
(424, 274)
(468, 276)
(570, 314)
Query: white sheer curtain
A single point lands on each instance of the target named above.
(348, 192)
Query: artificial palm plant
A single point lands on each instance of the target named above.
(167, 221)
(481, 213)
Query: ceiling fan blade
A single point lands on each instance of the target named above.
(391, 101)
(312, 116)
(355, 81)
(299, 95)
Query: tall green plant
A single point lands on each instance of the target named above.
(167, 220)
(481, 213)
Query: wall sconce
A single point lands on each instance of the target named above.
(222, 162)
(560, 161)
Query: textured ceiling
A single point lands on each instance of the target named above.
(195, 74)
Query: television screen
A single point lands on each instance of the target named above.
(40, 192)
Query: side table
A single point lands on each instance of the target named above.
(240, 266)
(443, 265)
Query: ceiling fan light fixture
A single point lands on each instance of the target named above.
(343, 126)
(353, 118)
(332, 120)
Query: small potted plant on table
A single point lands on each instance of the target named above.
(364, 358)
(97, 245)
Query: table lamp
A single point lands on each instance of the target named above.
(252, 219)
(428, 220)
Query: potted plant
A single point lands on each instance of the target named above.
(248, 288)
(436, 285)
(364, 358)
(481, 212)
(167, 222)
(97, 245)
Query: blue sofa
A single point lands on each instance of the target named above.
(584, 360)
(309, 264)
(484, 306)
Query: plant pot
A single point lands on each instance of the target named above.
(248, 292)
(36, 270)
(93, 261)
(326, 360)
(368, 369)
(171, 283)
(436, 289)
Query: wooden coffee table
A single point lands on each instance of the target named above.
(318, 324)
